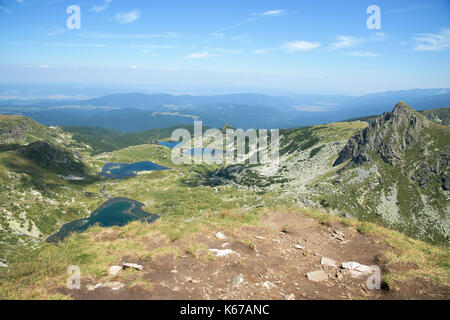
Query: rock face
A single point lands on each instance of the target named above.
(388, 136)
(21, 130)
(49, 156)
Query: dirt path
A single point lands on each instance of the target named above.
(270, 262)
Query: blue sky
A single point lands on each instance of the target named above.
(295, 46)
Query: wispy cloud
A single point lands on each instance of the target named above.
(261, 51)
(258, 16)
(5, 10)
(200, 55)
(128, 17)
(295, 46)
(101, 7)
(57, 31)
(271, 13)
(432, 41)
(151, 46)
(211, 52)
(345, 42)
(100, 35)
(361, 54)
(58, 44)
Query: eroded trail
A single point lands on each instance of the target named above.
(270, 261)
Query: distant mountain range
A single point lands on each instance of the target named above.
(131, 112)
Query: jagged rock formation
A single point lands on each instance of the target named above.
(388, 136)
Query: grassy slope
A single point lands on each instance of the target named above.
(186, 208)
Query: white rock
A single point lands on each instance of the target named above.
(132, 265)
(290, 297)
(357, 267)
(299, 247)
(221, 236)
(260, 238)
(113, 270)
(267, 285)
(238, 280)
(317, 276)
(328, 262)
(224, 252)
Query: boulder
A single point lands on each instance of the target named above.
(317, 276)
(114, 270)
(135, 266)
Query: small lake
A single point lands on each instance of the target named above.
(168, 144)
(126, 170)
(114, 212)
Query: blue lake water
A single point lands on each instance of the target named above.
(126, 170)
(168, 144)
(114, 212)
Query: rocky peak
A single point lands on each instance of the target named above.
(389, 136)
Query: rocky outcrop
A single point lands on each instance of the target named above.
(49, 156)
(389, 135)
(21, 130)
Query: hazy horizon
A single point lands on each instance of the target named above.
(282, 46)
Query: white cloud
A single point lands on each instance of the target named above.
(218, 35)
(99, 35)
(98, 8)
(301, 46)
(344, 42)
(432, 41)
(261, 51)
(133, 67)
(362, 54)
(211, 52)
(44, 66)
(271, 13)
(57, 31)
(6, 10)
(200, 55)
(128, 17)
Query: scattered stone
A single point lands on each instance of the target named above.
(221, 236)
(299, 247)
(223, 253)
(356, 269)
(189, 279)
(176, 289)
(338, 235)
(132, 265)
(114, 270)
(260, 238)
(114, 285)
(238, 280)
(276, 240)
(92, 288)
(225, 244)
(290, 297)
(328, 262)
(317, 276)
(174, 271)
(267, 285)
(3, 264)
